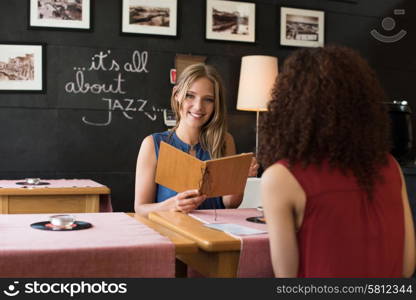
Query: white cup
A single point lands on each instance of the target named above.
(62, 221)
(33, 181)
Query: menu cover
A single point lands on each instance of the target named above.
(180, 171)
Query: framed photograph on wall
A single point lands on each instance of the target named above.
(154, 17)
(230, 21)
(301, 27)
(22, 67)
(63, 14)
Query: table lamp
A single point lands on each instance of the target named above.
(257, 76)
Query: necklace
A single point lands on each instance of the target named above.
(192, 147)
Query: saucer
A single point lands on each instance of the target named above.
(260, 220)
(46, 225)
(32, 184)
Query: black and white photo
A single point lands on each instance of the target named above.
(230, 20)
(157, 17)
(21, 67)
(301, 27)
(69, 14)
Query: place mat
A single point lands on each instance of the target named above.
(255, 260)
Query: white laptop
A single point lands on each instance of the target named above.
(251, 193)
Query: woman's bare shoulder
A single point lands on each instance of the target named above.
(278, 180)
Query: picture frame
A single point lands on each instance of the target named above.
(22, 67)
(346, 1)
(230, 21)
(60, 14)
(301, 27)
(150, 17)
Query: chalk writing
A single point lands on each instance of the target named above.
(138, 62)
(80, 86)
(104, 62)
(130, 105)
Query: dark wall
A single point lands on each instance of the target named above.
(50, 135)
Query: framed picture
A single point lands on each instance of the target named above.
(230, 21)
(154, 17)
(64, 14)
(347, 1)
(21, 67)
(301, 27)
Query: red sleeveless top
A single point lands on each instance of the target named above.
(344, 234)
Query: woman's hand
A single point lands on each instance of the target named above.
(188, 201)
(254, 166)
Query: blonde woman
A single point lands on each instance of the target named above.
(200, 109)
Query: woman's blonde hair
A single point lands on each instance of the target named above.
(212, 136)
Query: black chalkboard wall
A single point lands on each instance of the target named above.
(65, 133)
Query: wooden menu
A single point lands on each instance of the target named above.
(180, 171)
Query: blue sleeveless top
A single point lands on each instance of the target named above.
(163, 193)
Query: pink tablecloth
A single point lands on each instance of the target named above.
(255, 258)
(105, 199)
(53, 183)
(116, 246)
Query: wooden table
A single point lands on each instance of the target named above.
(218, 253)
(50, 199)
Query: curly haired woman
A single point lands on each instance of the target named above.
(335, 200)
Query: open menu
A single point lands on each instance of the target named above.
(180, 171)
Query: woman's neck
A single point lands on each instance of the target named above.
(188, 135)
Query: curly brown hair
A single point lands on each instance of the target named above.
(328, 104)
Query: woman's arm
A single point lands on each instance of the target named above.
(281, 194)
(409, 255)
(145, 187)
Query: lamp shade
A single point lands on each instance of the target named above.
(257, 76)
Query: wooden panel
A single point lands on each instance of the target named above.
(214, 265)
(46, 204)
(221, 264)
(92, 203)
(4, 204)
(227, 175)
(178, 170)
(207, 239)
(55, 191)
